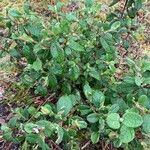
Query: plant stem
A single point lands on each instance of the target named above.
(126, 2)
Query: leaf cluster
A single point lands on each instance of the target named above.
(75, 54)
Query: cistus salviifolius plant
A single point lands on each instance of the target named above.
(74, 54)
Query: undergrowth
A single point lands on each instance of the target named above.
(74, 56)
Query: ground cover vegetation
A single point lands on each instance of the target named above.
(70, 58)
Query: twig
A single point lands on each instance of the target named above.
(146, 86)
(40, 106)
(126, 2)
(105, 145)
(52, 143)
(85, 145)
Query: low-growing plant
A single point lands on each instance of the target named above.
(75, 54)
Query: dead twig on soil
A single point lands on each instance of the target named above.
(85, 145)
(54, 145)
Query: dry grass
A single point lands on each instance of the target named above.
(4, 4)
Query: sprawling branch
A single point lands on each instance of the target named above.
(126, 2)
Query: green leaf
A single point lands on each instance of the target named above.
(46, 109)
(8, 136)
(92, 118)
(5, 128)
(146, 80)
(37, 65)
(65, 104)
(29, 127)
(71, 17)
(94, 73)
(26, 38)
(76, 46)
(32, 110)
(146, 123)
(112, 66)
(66, 88)
(52, 8)
(126, 44)
(28, 53)
(89, 3)
(130, 61)
(52, 81)
(98, 98)
(41, 143)
(114, 108)
(75, 97)
(113, 120)
(109, 38)
(24, 146)
(129, 80)
(12, 122)
(60, 134)
(104, 44)
(84, 109)
(95, 137)
(117, 143)
(57, 52)
(130, 3)
(65, 28)
(145, 65)
(132, 12)
(115, 25)
(81, 124)
(101, 123)
(94, 96)
(35, 29)
(138, 80)
(41, 90)
(126, 134)
(14, 13)
(47, 126)
(114, 2)
(14, 53)
(74, 73)
(43, 123)
(87, 90)
(26, 7)
(138, 4)
(132, 119)
(144, 101)
(32, 138)
(1, 18)
(59, 5)
(107, 42)
(44, 146)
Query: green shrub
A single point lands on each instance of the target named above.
(75, 54)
